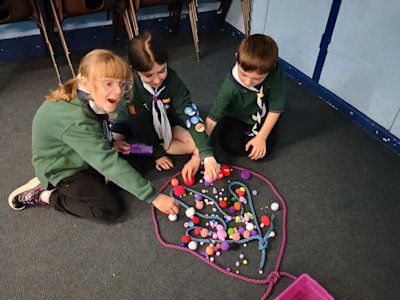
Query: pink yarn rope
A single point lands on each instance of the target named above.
(273, 277)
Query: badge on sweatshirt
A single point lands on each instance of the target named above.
(132, 109)
(199, 127)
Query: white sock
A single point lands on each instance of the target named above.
(45, 196)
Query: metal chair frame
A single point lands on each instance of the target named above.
(24, 10)
(192, 8)
(71, 8)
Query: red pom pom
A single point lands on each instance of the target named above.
(196, 220)
(226, 170)
(179, 190)
(223, 204)
(265, 220)
(185, 239)
(189, 182)
(197, 231)
(240, 192)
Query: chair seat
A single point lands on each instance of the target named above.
(11, 12)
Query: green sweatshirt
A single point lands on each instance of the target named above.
(235, 100)
(180, 111)
(68, 137)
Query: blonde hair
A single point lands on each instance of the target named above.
(258, 53)
(98, 63)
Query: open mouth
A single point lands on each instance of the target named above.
(112, 101)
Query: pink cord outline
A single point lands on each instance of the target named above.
(273, 277)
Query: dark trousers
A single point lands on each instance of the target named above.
(86, 195)
(231, 136)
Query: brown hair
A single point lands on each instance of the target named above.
(98, 63)
(144, 51)
(257, 52)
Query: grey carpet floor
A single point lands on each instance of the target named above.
(340, 185)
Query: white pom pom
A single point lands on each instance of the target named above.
(274, 206)
(249, 226)
(172, 217)
(192, 245)
(190, 212)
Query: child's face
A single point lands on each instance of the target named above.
(155, 76)
(107, 92)
(250, 78)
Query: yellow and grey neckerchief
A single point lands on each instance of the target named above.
(261, 107)
(160, 120)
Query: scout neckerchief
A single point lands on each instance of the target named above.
(160, 120)
(103, 115)
(261, 107)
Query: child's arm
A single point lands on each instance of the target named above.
(276, 106)
(166, 204)
(222, 105)
(210, 125)
(164, 163)
(187, 112)
(122, 146)
(258, 143)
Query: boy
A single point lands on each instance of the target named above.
(250, 100)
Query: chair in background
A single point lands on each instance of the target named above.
(62, 9)
(246, 16)
(175, 8)
(224, 8)
(12, 11)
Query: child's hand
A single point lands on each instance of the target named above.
(166, 204)
(190, 168)
(211, 168)
(164, 163)
(259, 148)
(122, 146)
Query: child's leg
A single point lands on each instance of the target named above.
(273, 139)
(230, 134)
(182, 142)
(86, 195)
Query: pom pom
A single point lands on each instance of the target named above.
(174, 182)
(225, 246)
(245, 174)
(190, 212)
(185, 239)
(192, 245)
(265, 220)
(172, 217)
(179, 190)
(189, 181)
(274, 206)
(196, 220)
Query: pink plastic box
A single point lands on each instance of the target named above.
(304, 288)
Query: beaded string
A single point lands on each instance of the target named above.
(273, 277)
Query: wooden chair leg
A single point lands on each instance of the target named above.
(62, 38)
(246, 16)
(42, 25)
(193, 22)
(132, 14)
(128, 25)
